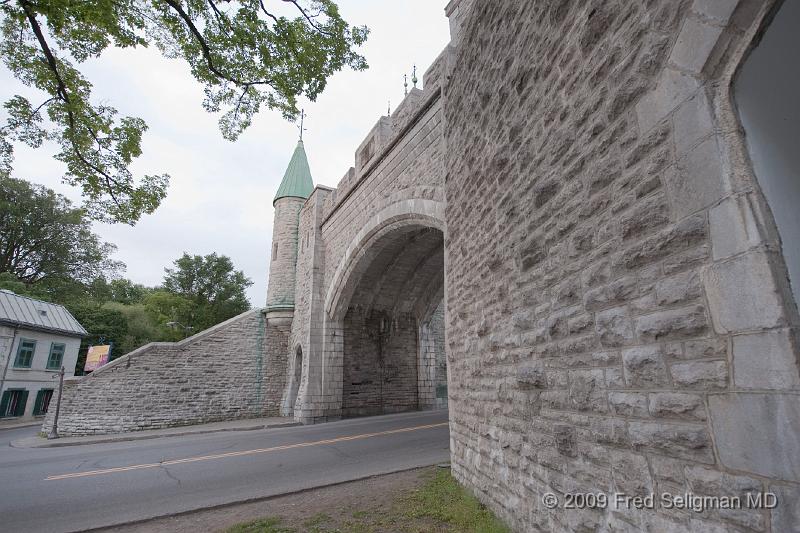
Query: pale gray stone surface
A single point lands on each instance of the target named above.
(758, 433)
(766, 360)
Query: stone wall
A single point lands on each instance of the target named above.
(618, 313)
(233, 370)
(397, 179)
(380, 363)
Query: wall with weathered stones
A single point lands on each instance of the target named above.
(618, 312)
(233, 370)
(395, 185)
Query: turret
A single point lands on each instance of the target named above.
(295, 188)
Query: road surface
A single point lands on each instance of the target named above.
(81, 487)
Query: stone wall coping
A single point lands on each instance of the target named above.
(424, 107)
(180, 344)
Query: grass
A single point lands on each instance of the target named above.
(262, 525)
(444, 501)
(439, 504)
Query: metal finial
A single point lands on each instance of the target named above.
(405, 84)
(414, 77)
(389, 109)
(302, 120)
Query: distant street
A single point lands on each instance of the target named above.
(80, 487)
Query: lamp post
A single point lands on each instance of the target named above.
(178, 325)
(54, 430)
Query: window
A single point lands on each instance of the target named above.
(56, 356)
(25, 353)
(43, 398)
(13, 403)
(274, 251)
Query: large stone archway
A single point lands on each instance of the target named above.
(385, 323)
(382, 346)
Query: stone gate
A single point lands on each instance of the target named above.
(597, 200)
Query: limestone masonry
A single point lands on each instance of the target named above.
(561, 237)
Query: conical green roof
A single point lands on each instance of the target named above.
(297, 180)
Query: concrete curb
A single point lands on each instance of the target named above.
(39, 442)
(252, 500)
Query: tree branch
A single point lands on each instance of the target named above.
(307, 17)
(207, 51)
(62, 93)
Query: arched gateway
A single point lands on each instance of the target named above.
(604, 221)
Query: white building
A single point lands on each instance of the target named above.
(36, 339)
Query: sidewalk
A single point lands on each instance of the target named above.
(214, 427)
(14, 424)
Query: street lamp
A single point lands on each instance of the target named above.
(178, 325)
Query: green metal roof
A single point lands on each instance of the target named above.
(297, 180)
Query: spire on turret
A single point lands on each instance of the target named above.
(297, 181)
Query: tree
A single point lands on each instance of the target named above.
(244, 55)
(165, 307)
(215, 288)
(105, 326)
(46, 242)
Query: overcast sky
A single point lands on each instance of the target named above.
(220, 195)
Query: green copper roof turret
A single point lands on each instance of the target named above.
(297, 180)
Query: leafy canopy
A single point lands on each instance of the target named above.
(215, 289)
(44, 240)
(244, 53)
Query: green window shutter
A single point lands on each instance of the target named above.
(22, 403)
(56, 356)
(42, 401)
(4, 403)
(37, 405)
(25, 352)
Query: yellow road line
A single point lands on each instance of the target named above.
(239, 454)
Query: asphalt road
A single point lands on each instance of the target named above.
(81, 487)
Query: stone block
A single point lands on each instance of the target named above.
(677, 405)
(695, 42)
(628, 403)
(676, 440)
(692, 122)
(757, 433)
(733, 227)
(614, 293)
(644, 367)
(614, 327)
(673, 88)
(531, 376)
(698, 182)
(683, 235)
(717, 10)
(766, 360)
(678, 289)
(743, 295)
(631, 474)
(672, 324)
(700, 375)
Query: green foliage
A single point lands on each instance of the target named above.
(262, 525)
(439, 503)
(105, 326)
(164, 307)
(215, 289)
(44, 240)
(243, 54)
(442, 499)
(140, 327)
